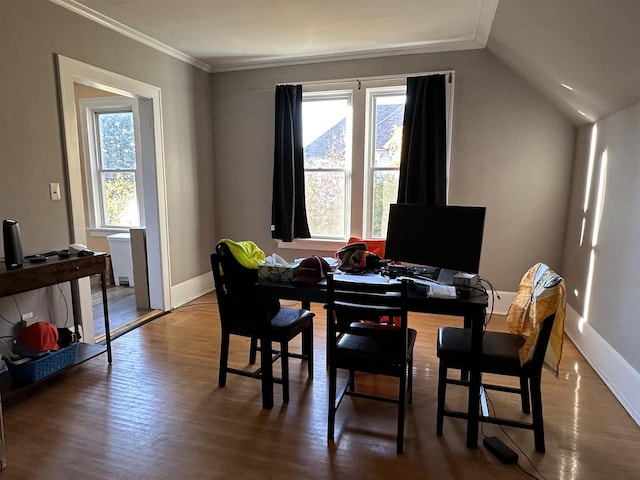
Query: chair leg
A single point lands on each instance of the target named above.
(284, 362)
(307, 348)
(352, 380)
(442, 391)
(224, 358)
(536, 404)
(524, 395)
(402, 402)
(410, 380)
(252, 351)
(331, 403)
(266, 367)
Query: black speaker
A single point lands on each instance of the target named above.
(13, 257)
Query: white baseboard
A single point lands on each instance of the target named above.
(191, 289)
(501, 304)
(616, 373)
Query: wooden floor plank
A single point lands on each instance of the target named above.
(157, 413)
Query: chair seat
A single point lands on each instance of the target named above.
(244, 311)
(500, 355)
(499, 350)
(371, 353)
(288, 317)
(357, 341)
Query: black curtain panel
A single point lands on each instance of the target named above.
(423, 161)
(288, 210)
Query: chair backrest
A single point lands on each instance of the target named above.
(542, 342)
(239, 300)
(357, 308)
(541, 292)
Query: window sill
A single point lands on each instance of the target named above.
(312, 244)
(105, 232)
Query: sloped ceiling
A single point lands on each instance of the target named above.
(592, 47)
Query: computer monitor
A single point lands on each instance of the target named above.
(446, 237)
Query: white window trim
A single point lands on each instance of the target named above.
(345, 94)
(357, 224)
(369, 149)
(312, 244)
(87, 108)
(105, 232)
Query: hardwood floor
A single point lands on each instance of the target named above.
(157, 413)
(123, 312)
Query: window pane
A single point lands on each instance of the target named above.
(389, 115)
(117, 141)
(385, 192)
(324, 132)
(325, 197)
(120, 200)
(385, 111)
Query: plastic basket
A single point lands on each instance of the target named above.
(51, 363)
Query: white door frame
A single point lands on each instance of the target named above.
(72, 71)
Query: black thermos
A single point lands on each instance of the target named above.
(13, 257)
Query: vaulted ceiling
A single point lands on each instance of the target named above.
(582, 54)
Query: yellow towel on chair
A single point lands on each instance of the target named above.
(248, 254)
(541, 293)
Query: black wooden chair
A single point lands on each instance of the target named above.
(358, 342)
(246, 312)
(499, 356)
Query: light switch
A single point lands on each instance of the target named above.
(54, 189)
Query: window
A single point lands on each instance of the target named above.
(352, 140)
(327, 161)
(113, 169)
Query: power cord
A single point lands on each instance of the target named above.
(66, 306)
(19, 313)
(7, 320)
(494, 295)
(539, 476)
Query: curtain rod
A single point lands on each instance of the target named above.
(358, 79)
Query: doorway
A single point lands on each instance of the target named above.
(72, 75)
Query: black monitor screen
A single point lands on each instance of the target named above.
(448, 237)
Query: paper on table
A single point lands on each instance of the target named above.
(365, 278)
(441, 291)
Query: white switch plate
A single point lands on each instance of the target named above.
(54, 189)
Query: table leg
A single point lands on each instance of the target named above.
(468, 323)
(105, 307)
(3, 459)
(475, 380)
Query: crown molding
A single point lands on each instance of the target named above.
(487, 14)
(485, 22)
(269, 62)
(130, 32)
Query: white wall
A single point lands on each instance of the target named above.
(31, 148)
(512, 152)
(607, 312)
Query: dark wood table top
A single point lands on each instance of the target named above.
(51, 272)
